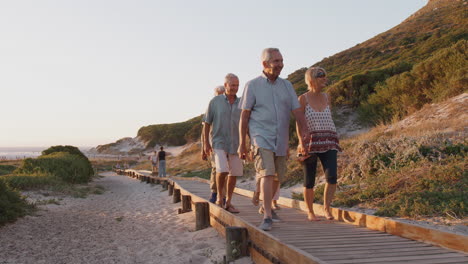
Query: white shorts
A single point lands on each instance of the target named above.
(228, 163)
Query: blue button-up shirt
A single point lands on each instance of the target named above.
(270, 104)
(224, 120)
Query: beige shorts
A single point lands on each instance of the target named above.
(267, 164)
(228, 163)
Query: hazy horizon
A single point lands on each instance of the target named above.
(87, 73)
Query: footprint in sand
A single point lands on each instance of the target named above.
(200, 246)
(198, 259)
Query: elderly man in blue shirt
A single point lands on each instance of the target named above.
(266, 106)
(222, 116)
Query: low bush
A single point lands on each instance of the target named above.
(12, 204)
(31, 181)
(6, 169)
(69, 167)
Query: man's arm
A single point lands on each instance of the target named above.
(243, 126)
(202, 141)
(301, 126)
(206, 141)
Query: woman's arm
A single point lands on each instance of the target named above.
(300, 147)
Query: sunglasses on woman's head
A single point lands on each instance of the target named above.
(320, 74)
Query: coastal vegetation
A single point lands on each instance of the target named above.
(58, 170)
(175, 134)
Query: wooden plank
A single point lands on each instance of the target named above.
(366, 249)
(337, 236)
(323, 238)
(258, 258)
(343, 241)
(445, 239)
(288, 254)
(383, 244)
(433, 261)
(453, 241)
(358, 255)
(402, 258)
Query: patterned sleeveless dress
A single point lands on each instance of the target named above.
(322, 130)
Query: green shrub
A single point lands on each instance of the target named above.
(68, 149)
(12, 204)
(6, 169)
(433, 80)
(31, 181)
(71, 168)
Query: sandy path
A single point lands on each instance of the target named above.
(88, 230)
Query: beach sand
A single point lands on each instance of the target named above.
(132, 222)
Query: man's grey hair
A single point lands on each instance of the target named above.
(218, 90)
(230, 76)
(266, 53)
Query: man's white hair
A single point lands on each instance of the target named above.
(218, 90)
(266, 53)
(230, 76)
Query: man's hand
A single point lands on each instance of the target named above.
(207, 149)
(203, 155)
(242, 151)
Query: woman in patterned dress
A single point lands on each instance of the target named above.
(324, 143)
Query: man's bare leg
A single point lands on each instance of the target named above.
(231, 184)
(256, 196)
(267, 194)
(221, 182)
(329, 192)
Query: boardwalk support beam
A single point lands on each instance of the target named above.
(236, 242)
(171, 189)
(165, 183)
(202, 215)
(176, 196)
(186, 203)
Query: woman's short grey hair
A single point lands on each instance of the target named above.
(311, 73)
(266, 53)
(230, 76)
(218, 89)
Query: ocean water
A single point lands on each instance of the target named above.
(15, 153)
(20, 152)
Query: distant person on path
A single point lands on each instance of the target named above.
(154, 162)
(161, 159)
(266, 106)
(214, 190)
(223, 116)
(324, 144)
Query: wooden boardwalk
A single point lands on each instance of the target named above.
(296, 240)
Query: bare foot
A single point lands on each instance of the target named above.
(328, 215)
(311, 217)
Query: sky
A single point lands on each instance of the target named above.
(90, 72)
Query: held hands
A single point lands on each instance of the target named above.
(307, 138)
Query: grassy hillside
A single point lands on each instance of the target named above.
(363, 73)
(175, 134)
